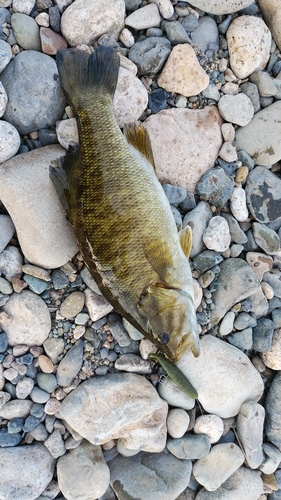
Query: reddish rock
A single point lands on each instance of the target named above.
(51, 42)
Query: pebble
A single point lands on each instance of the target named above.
(249, 42)
(70, 365)
(189, 447)
(24, 387)
(236, 109)
(228, 152)
(198, 219)
(17, 408)
(72, 305)
(3, 96)
(53, 348)
(26, 31)
(9, 141)
(272, 357)
(41, 214)
(130, 99)
(83, 22)
(157, 100)
(5, 287)
(206, 260)
(83, 469)
(23, 6)
(276, 318)
(150, 55)
(143, 18)
(176, 33)
(271, 14)
(26, 316)
(183, 73)
(39, 433)
(67, 132)
(47, 382)
(221, 396)
(228, 132)
(215, 186)
(36, 285)
(51, 41)
(238, 204)
(262, 334)
(249, 426)
(211, 425)
(37, 272)
(89, 280)
(55, 444)
(266, 238)
(217, 236)
(3, 342)
(5, 56)
(251, 90)
(273, 413)
(211, 92)
(43, 19)
(97, 305)
(37, 395)
(132, 363)
(264, 83)
(162, 475)
(86, 413)
(259, 262)
(222, 461)
(174, 396)
(241, 174)
(177, 422)
(273, 278)
(227, 323)
(262, 191)
(52, 406)
(272, 458)
(260, 138)
(205, 36)
(244, 320)
(165, 7)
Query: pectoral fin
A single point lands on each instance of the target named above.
(161, 259)
(137, 135)
(185, 236)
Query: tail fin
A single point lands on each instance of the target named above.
(80, 72)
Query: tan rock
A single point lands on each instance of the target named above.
(272, 357)
(272, 14)
(259, 262)
(249, 42)
(183, 73)
(177, 136)
(130, 98)
(51, 41)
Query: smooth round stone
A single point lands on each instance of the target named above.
(11, 262)
(215, 187)
(35, 284)
(272, 357)
(132, 331)
(37, 395)
(171, 393)
(150, 55)
(15, 425)
(176, 33)
(262, 334)
(189, 446)
(250, 422)
(228, 132)
(52, 406)
(211, 92)
(53, 348)
(132, 363)
(227, 323)
(238, 204)
(266, 238)
(260, 263)
(241, 174)
(206, 34)
(228, 152)
(127, 38)
(26, 31)
(9, 141)
(276, 317)
(175, 194)
(264, 82)
(236, 109)
(3, 342)
(177, 422)
(165, 7)
(124, 450)
(39, 433)
(236, 249)
(217, 236)
(9, 440)
(24, 387)
(17, 408)
(5, 287)
(47, 382)
(70, 365)
(30, 423)
(143, 18)
(263, 190)
(272, 459)
(273, 278)
(211, 425)
(244, 320)
(23, 6)
(72, 305)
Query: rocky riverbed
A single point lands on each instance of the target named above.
(83, 412)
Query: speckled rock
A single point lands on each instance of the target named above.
(70, 365)
(211, 425)
(236, 109)
(249, 42)
(143, 18)
(259, 262)
(249, 426)
(266, 238)
(5, 54)
(263, 194)
(84, 21)
(72, 305)
(272, 357)
(9, 141)
(271, 12)
(150, 54)
(215, 186)
(238, 204)
(183, 161)
(220, 7)
(217, 236)
(41, 217)
(183, 73)
(260, 138)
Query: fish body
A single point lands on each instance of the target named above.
(122, 219)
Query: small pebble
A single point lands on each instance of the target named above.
(55, 444)
(177, 422)
(24, 387)
(45, 364)
(37, 395)
(211, 425)
(238, 204)
(72, 305)
(47, 382)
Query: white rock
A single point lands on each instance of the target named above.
(249, 42)
(212, 425)
(17, 408)
(171, 393)
(177, 422)
(236, 109)
(84, 21)
(11, 262)
(165, 7)
(134, 334)
(143, 18)
(3, 99)
(36, 467)
(146, 347)
(7, 230)
(182, 161)
(127, 64)
(217, 236)
(26, 319)
(249, 427)
(211, 92)
(228, 152)
(97, 305)
(5, 53)
(23, 6)
(31, 200)
(43, 19)
(238, 205)
(271, 12)
(221, 6)
(198, 293)
(9, 141)
(5, 3)
(272, 458)
(89, 280)
(127, 38)
(226, 325)
(67, 132)
(222, 395)
(130, 99)
(267, 290)
(24, 387)
(81, 470)
(272, 357)
(228, 132)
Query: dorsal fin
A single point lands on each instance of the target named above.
(137, 135)
(185, 236)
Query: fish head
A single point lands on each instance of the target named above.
(171, 320)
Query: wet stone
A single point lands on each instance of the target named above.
(262, 334)
(263, 194)
(215, 187)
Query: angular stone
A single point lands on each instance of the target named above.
(266, 238)
(97, 305)
(150, 54)
(249, 426)
(259, 262)
(130, 99)
(222, 396)
(123, 415)
(9, 141)
(183, 73)
(7, 230)
(51, 41)
(263, 191)
(217, 236)
(72, 305)
(183, 160)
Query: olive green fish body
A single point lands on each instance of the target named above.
(122, 219)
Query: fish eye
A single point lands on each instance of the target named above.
(164, 338)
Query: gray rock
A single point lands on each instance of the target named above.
(249, 427)
(150, 55)
(215, 187)
(89, 280)
(70, 365)
(242, 339)
(118, 331)
(36, 467)
(236, 233)
(39, 433)
(272, 458)
(236, 282)
(190, 446)
(36, 285)
(30, 423)
(266, 238)
(151, 476)
(37, 395)
(47, 382)
(17, 408)
(244, 483)
(11, 262)
(264, 82)
(190, 22)
(273, 412)
(15, 425)
(263, 190)
(262, 334)
(176, 33)
(276, 318)
(82, 470)
(206, 260)
(35, 75)
(211, 92)
(55, 444)
(7, 230)
(236, 109)
(175, 194)
(54, 348)
(3, 342)
(109, 407)
(133, 363)
(26, 31)
(251, 90)
(274, 279)
(206, 35)
(8, 440)
(245, 159)
(198, 219)
(244, 320)
(60, 280)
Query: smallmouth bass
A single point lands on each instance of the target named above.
(122, 219)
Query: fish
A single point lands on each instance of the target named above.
(121, 217)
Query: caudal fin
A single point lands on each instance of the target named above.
(82, 74)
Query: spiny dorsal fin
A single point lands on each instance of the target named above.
(185, 236)
(137, 135)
